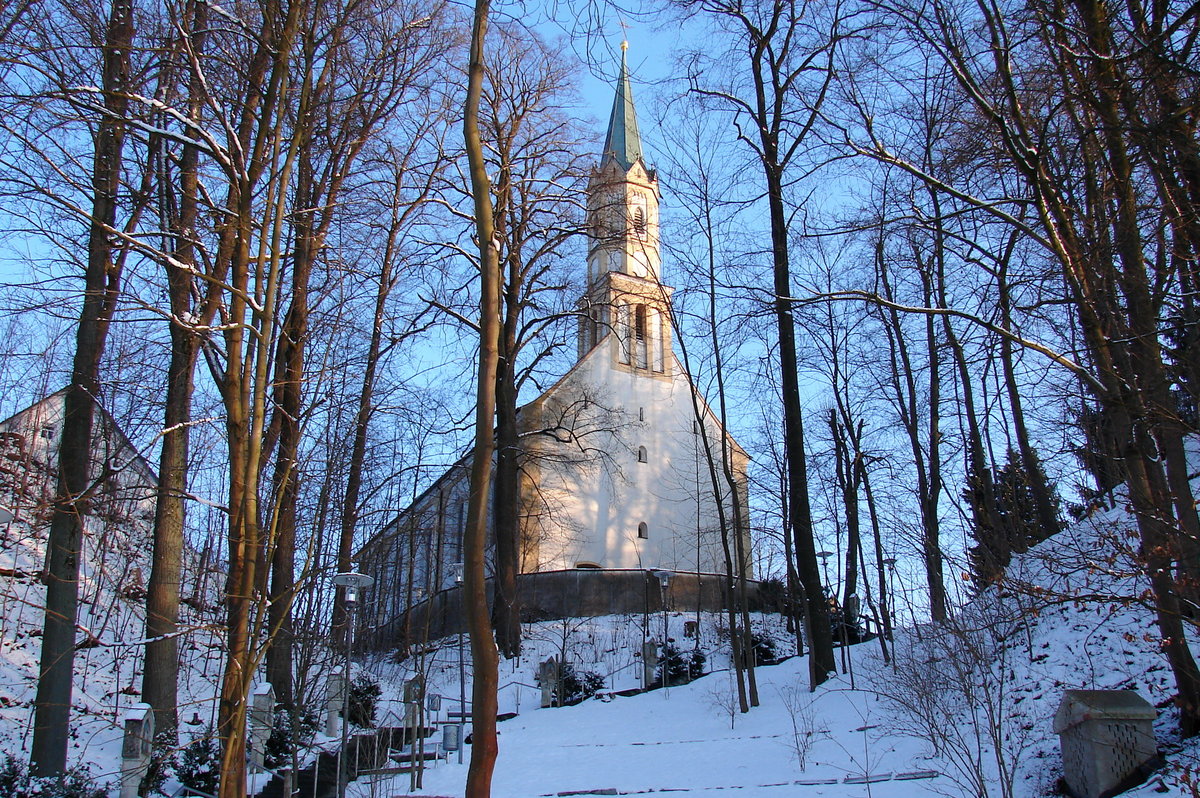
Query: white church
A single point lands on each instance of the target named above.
(615, 473)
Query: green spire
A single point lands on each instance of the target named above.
(623, 141)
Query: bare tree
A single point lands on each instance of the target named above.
(102, 280)
(484, 656)
(786, 50)
(539, 170)
(193, 305)
(358, 61)
(1082, 172)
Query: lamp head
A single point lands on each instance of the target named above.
(352, 582)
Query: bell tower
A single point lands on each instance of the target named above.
(625, 293)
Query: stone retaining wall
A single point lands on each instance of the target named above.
(576, 593)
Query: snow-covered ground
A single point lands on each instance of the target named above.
(985, 689)
(112, 618)
(986, 686)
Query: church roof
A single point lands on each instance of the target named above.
(623, 141)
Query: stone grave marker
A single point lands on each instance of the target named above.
(262, 719)
(136, 748)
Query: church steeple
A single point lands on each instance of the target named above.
(626, 302)
(623, 142)
(623, 196)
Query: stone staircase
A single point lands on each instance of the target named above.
(366, 753)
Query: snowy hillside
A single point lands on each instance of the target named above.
(964, 708)
(108, 659)
(967, 709)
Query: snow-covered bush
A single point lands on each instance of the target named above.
(364, 700)
(17, 782)
(287, 735)
(765, 652)
(953, 686)
(199, 763)
(678, 667)
(575, 686)
(799, 704)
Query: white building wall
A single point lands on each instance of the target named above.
(595, 506)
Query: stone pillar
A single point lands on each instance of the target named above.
(136, 748)
(547, 678)
(262, 719)
(649, 662)
(333, 704)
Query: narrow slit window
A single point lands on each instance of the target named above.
(660, 342)
(639, 335)
(643, 455)
(623, 333)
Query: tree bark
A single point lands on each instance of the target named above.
(161, 669)
(52, 705)
(485, 658)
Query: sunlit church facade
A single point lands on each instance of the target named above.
(615, 475)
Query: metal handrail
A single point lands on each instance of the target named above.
(186, 790)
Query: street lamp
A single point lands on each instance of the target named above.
(825, 555)
(459, 568)
(352, 583)
(664, 582)
(891, 604)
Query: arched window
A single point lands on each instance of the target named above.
(643, 531)
(584, 565)
(639, 221)
(643, 455)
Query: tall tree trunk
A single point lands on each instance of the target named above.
(289, 399)
(821, 660)
(886, 610)
(51, 720)
(1038, 487)
(908, 404)
(506, 502)
(848, 477)
(362, 418)
(506, 507)
(251, 246)
(485, 659)
(161, 669)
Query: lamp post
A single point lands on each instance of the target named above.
(825, 555)
(664, 582)
(889, 604)
(462, 671)
(352, 582)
